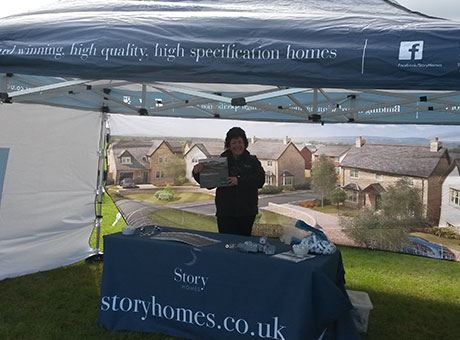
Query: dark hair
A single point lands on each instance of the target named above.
(235, 132)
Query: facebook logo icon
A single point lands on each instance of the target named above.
(411, 50)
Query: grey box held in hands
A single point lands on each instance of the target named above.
(215, 172)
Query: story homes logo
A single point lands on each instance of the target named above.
(3, 159)
(412, 51)
(188, 279)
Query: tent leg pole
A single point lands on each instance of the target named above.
(315, 100)
(98, 255)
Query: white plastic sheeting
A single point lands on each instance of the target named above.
(47, 206)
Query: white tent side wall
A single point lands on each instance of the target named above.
(50, 163)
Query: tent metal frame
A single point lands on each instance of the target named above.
(182, 96)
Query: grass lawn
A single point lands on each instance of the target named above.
(180, 197)
(413, 297)
(184, 219)
(109, 213)
(332, 209)
(268, 217)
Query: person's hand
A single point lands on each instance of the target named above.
(198, 168)
(232, 181)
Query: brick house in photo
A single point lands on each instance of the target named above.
(368, 169)
(307, 152)
(282, 161)
(450, 202)
(128, 159)
(199, 151)
(159, 156)
(336, 153)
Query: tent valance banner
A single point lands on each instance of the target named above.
(359, 44)
(332, 44)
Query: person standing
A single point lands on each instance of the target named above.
(237, 203)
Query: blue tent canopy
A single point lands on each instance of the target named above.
(297, 50)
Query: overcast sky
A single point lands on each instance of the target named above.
(441, 8)
(449, 9)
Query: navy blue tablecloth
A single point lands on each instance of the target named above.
(213, 292)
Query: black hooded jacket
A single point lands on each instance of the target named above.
(241, 199)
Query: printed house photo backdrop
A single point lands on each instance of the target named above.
(66, 69)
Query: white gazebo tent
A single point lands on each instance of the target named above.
(318, 61)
